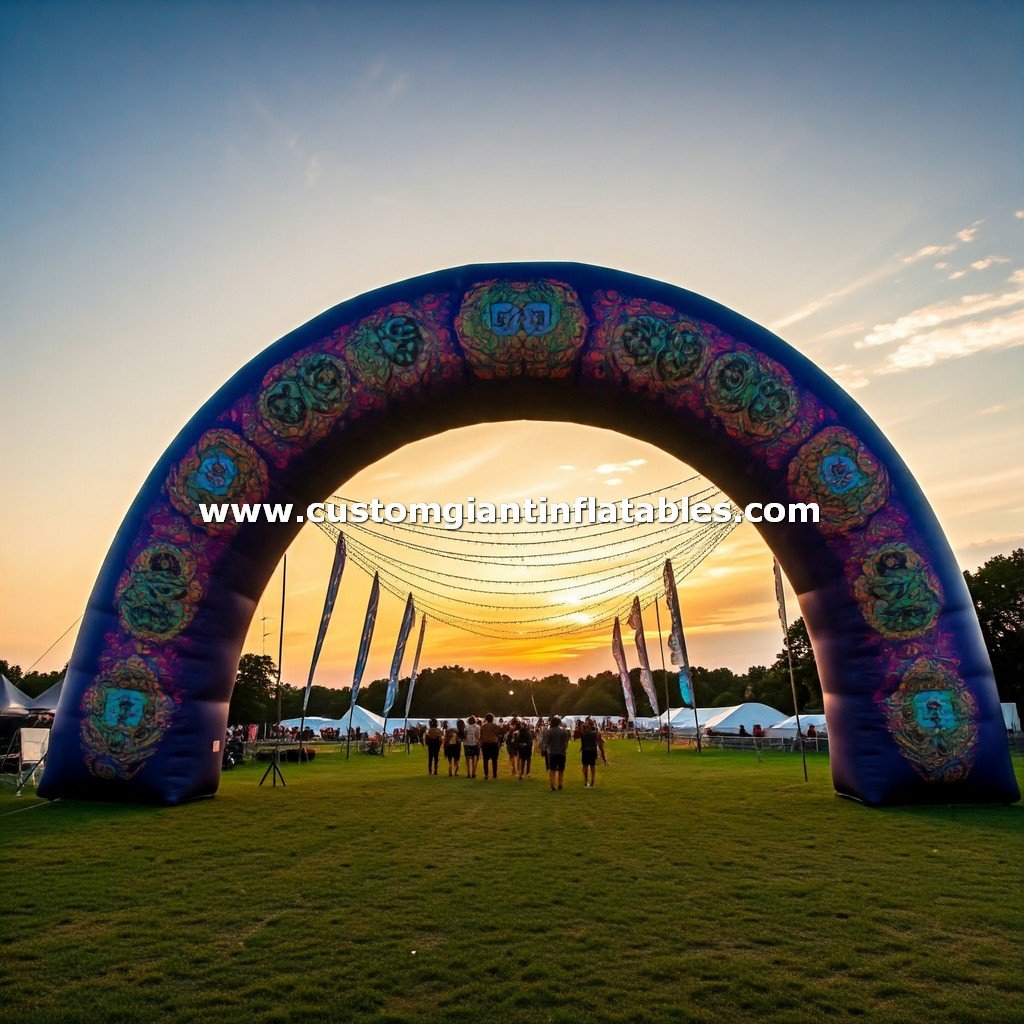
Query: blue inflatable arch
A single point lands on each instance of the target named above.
(912, 708)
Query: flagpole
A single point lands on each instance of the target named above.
(274, 769)
(337, 568)
(796, 708)
(780, 594)
(664, 676)
(412, 681)
(348, 731)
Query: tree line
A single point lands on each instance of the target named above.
(997, 590)
(456, 690)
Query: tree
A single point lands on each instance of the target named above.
(997, 590)
(253, 696)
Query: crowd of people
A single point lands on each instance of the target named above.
(474, 739)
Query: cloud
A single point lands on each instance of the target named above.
(953, 329)
(842, 332)
(1019, 214)
(988, 261)
(816, 305)
(929, 250)
(956, 275)
(967, 234)
(850, 377)
(956, 342)
(620, 467)
(989, 410)
(826, 300)
(940, 314)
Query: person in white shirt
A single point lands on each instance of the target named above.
(472, 747)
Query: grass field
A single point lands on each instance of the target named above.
(706, 888)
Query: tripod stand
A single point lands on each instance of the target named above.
(274, 768)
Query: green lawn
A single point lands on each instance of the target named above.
(708, 888)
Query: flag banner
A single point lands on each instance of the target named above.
(676, 640)
(364, 640)
(415, 666)
(620, 660)
(396, 663)
(332, 593)
(636, 623)
(780, 596)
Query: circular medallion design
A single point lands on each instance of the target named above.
(158, 593)
(528, 329)
(125, 713)
(388, 348)
(898, 594)
(836, 470)
(932, 716)
(219, 468)
(665, 351)
(753, 396)
(301, 393)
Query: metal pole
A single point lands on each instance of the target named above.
(796, 707)
(348, 731)
(275, 763)
(664, 676)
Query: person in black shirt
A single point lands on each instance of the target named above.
(524, 749)
(591, 744)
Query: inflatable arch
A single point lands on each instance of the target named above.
(913, 713)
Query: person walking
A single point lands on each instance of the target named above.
(433, 738)
(490, 743)
(472, 746)
(524, 748)
(556, 742)
(511, 747)
(452, 748)
(541, 744)
(591, 744)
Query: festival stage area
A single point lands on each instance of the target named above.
(707, 888)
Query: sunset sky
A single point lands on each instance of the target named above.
(184, 183)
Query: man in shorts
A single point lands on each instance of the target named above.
(591, 744)
(556, 742)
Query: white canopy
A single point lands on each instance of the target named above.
(787, 729)
(13, 703)
(682, 719)
(364, 720)
(729, 720)
(1011, 717)
(47, 700)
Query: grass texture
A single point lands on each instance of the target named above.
(689, 887)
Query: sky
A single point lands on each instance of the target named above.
(184, 183)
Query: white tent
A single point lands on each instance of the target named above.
(787, 729)
(682, 720)
(728, 720)
(13, 703)
(1011, 717)
(47, 700)
(366, 721)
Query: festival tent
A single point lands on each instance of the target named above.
(787, 729)
(682, 721)
(47, 700)
(13, 703)
(729, 720)
(364, 720)
(1011, 717)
